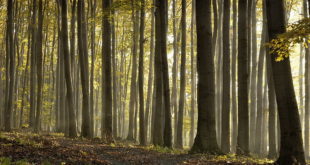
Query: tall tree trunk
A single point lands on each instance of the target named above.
(225, 140)
(115, 77)
(67, 68)
(259, 97)
(253, 85)
(233, 79)
(33, 65)
(182, 77)
(39, 67)
(141, 86)
(106, 73)
(83, 56)
(10, 59)
(133, 77)
(291, 150)
(307, 91)
(243, 107)
(163, 10)
(150, 78)
(93, 60)
(193, 77)
(205, 140)
(174, 95)
(272, 105)
(159, 119)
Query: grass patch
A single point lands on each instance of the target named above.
(8, 161)
(166, 150)
(233, 158)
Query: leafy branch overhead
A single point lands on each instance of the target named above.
(297, 33)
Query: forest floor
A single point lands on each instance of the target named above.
(28, 148)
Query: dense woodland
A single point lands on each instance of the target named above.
(206, 76)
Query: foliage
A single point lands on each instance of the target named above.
(165, 150)
(8, 161)
(298, 33)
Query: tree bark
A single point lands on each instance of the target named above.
(39, 55)
(67, 68)
(33, 66)
(83, 60)
(291, 150)
(106, 73)
(10, 63)
(182, 78)
(233, 79)
(133, 77)
(225, 140)
(205, 140)
(140, 78)
(193, 77)
(243, 107)
(93, 60)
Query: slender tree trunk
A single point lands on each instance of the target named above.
(291, 150)
(83, 56)
(106, 72)
(307, 92)
(33, 66)
(233, 79)
(243, 109)
(93, 60)
(174, 95)
(64, 25)
(133, 77)
(272, 106)
(39, 67)
(159, 119)
(260, 107)
(10, 59)
(150, 78)
(182, 76)
(193, 78)
(205, 140)
(253, 80)
(165, 71)
(225, 140)
(115, 77)
(141, 86)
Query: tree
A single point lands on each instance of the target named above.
(133, 84)
(225, 140)
(291, 147)
(162, 121)
(106, 73)
(148, 105)
(39, 62)
(259, 97)
(174, 95)
(33, 65)
(205, 140)
(182, 76)
(83, 56)
(165, 71)
(10, 69)
(67, 68)
(140, 77)
(233, 78)
(193, 77)
(243, 111)
(307, 91)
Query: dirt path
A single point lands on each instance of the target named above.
(59, 150)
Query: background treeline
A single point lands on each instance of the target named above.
(149, 71)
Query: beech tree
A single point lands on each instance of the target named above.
(291, 147)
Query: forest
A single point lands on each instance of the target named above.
(155, 82)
